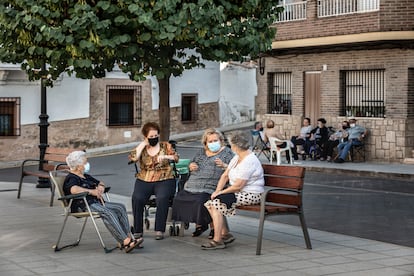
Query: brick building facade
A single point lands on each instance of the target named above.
(356, 61)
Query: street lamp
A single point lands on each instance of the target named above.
(262, 64)
(43, 125)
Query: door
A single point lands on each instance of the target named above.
(312, 95)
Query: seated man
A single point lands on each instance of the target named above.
(302, 137)
(355, 135)
(319, 135)
(256, 132)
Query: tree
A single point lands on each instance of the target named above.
(154, 37)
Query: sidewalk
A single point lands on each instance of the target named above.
(29, 228)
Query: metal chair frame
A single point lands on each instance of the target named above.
(58, 178)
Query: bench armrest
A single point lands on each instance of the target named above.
(28, 160)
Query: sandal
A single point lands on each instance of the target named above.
(132, 244)
(228, 238)
(211, 235)
(211, 245)
(200, 230)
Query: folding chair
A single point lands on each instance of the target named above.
(274, 149)
(259, 146)
(58, 178)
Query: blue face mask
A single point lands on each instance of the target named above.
(214, 146)
(87, 167)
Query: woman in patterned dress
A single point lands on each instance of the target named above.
(206, 168)
(155, 177)
(245, 174)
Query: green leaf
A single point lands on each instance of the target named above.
(145, 37)
(120, 19)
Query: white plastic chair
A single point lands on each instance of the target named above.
(274, 149)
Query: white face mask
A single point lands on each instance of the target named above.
(352, 125)
(214, 146)
(87, 167)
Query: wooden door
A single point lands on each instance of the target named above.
(312, 92)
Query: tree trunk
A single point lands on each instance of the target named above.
(164, 108)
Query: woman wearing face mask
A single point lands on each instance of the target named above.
(206, 168)
(114, 215)
(155, 177)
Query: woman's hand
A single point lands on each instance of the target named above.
(220, 163)
(215, 194)
(160, 158)
(193, 166)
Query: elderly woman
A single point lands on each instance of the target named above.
(245, 174)
(114, 215)
(206, 168)
(154, 178)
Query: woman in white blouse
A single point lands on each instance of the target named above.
(245, 175)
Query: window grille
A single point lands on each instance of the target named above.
(9, 116)
(124, 105)
(189, 107)
(363, 93)
(410, 101)
(341, 7)
(280, 93)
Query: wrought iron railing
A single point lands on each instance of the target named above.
(292, 12)
(341, 7)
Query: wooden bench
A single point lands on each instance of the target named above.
(282, 196)
(54, 159)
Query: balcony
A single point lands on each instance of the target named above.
(326, 8)
(292, 12)
(341, 7)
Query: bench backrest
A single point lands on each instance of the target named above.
(290, 181)
(56, 157)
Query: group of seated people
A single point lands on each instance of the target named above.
(347, 135)
(221, 178)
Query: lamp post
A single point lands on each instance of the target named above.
(43, 125)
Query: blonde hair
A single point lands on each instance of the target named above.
(209, 132)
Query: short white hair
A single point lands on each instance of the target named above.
(75, 158)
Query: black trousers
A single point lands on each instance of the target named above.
(163, 190)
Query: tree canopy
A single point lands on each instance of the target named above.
(143, 38)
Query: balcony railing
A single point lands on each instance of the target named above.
(341, 7)
(292, 12)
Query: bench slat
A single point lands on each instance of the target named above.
(290, 171)
(284, 182)
(277, 198)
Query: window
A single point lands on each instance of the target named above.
(280, 93)
(189, 107)
(123, 105)
(9, 116)
(410, 101)
(363, 93)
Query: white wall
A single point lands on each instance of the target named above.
(203, 81)
(238, 91)
(68, 99)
